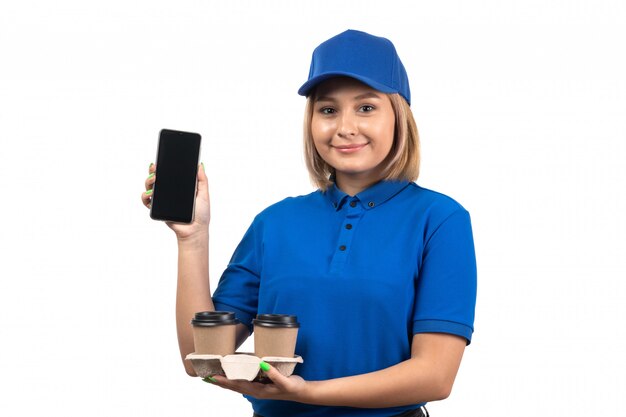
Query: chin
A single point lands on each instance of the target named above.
(349, 170)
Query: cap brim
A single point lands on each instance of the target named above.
(306, 88)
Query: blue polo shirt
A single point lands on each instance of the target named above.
(363, 274)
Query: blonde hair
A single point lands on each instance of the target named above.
(403, 159)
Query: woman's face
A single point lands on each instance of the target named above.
(353, 129)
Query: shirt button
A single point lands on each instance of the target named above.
(371, 204)
(335, 205)
(348, 226)
(353, 204)
(342, 247)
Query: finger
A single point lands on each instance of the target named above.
(221, 382)
(241, 387)
(280, 380)
(150, 181)
(218, 379)
(209, 379)
(146, 198)
(203, 180)
(201, 172)
(254, 389)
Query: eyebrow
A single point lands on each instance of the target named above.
(369, 94)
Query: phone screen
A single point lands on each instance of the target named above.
(174, 193)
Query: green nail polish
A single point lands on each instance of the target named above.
(151, 163)
(149, 192)
(202, 163)
(209, 379)
(264, 366)
(151, 175)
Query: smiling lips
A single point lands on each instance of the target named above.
(350, 148)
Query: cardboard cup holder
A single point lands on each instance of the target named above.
(240, 365)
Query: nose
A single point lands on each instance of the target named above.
(347, 125)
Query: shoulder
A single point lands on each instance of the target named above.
(436, 212)
(433, 208)
(433, 200)
(290, 207)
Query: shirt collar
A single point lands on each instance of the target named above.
(369, 198)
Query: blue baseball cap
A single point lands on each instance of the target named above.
(370, 59)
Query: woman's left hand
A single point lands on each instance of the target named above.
(282, 388)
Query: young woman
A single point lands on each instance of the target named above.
(380, 272)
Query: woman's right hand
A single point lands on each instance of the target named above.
(202, 214)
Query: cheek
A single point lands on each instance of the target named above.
(317, 138)
(322, 130)
(384, 133)
(390, 129)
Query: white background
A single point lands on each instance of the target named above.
(521, 111)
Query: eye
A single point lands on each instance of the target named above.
(327, 110)
(366, 108)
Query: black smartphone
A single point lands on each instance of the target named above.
(174, 195)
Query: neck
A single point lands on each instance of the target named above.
(353, 185)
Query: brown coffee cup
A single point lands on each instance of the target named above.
(214, 332)
(275, 335)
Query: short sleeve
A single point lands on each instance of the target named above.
(446, 284)
(238, 288)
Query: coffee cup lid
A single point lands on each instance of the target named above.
(214, 318)
(276, 320)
